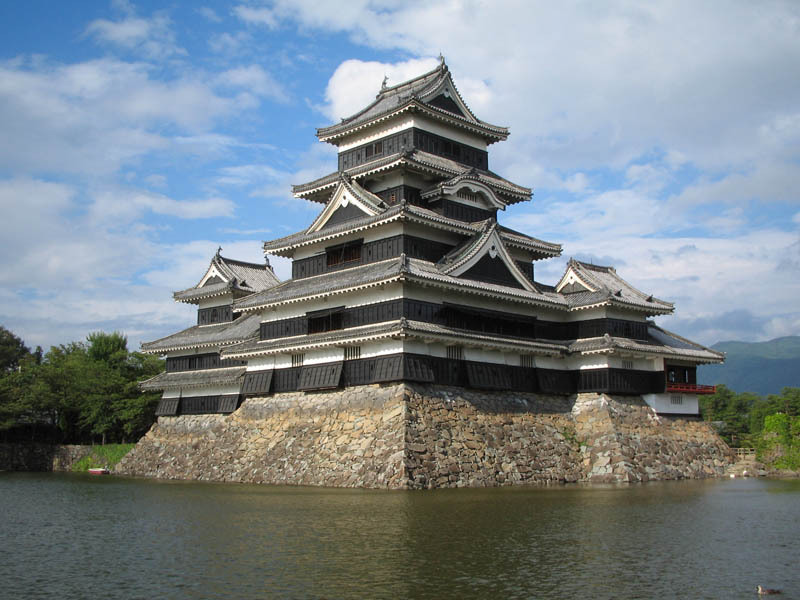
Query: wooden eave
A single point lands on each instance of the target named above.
(491, 133)
(414, 160)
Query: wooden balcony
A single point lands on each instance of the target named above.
(690, 388)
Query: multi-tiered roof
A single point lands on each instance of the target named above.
(406, 274)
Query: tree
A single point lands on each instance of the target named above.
(12, 350)
(110, 348)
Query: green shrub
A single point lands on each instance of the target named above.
(102, 456)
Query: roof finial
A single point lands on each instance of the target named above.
(385, 80)
(219, 249)
(266, 263)
(441, 58)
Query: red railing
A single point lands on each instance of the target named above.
(691, 388)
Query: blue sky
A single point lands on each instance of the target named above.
(661, 138)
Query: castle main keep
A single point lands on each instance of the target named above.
(413, 345)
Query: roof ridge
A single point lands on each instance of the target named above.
(244, 263)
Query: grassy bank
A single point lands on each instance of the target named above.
(102, 456)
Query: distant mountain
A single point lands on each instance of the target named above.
(759, 367)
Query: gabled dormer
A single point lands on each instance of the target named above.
(464, 197)
(574, 280)
(484, 257)
(586, 285)
(348, 201)
(224, 281)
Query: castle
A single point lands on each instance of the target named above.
(406, 280)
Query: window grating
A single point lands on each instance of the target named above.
(352, 352)
(455, 352)
(298, 359)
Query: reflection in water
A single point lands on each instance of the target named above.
(70, 536)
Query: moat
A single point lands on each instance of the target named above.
(73, 536)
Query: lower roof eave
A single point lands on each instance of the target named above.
(326, 294)
(157, 351)
(661, 352)
(296, 345)
(648, 311)
(482, 291)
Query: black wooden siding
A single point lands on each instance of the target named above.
(257, 383)
(320, 377)
(462, 212)
(492, 270)
(441, 146)
(395, 194)
(446, 103)
(197, 362)
(167, 407)
(413, 247)
(620, 381)
(449, 315)
(197, 405)
(635, 330)
(425, 369)
(344, 213)
(463, 317)
(217, 314)
(411, 139)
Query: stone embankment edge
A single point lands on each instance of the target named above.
(41, 457)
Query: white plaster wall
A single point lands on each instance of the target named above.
(223, 300)
(178, 353)
(260, 363)
(406, 121)
(449, 132)
(628, 315)
(662, 403)
(206, 390)
(386, 128)
(324, 355)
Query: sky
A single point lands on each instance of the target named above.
(662, 138)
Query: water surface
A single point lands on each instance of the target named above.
(75, 536)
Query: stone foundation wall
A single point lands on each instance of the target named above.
(350, 438)
(625, 440)
(423, 436)
(457, 437)
(40, 457)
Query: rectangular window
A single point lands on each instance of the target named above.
(676, 399)
(627, 364)
(298, 359)
(455, 352)
(352, 352)
(346, 253)
(378, 147)
(325, 321)
(527, 360)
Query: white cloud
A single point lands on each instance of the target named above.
(96, 116)
(157, 181)
(354, 83)
(599, 86)
(53, 247)
(256, 16)
(254, 79)
(151, 38)
(209, 14)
